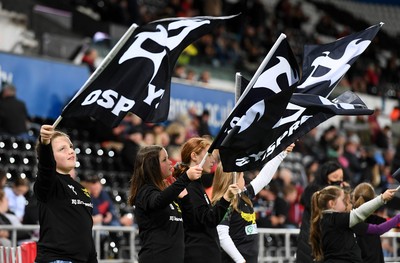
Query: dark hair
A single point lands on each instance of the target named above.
(324, 170)
(146, 171)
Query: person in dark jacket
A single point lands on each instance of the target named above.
(14, 118)
(157, 210)
(330, 173)
(200, 217)
(65, 207)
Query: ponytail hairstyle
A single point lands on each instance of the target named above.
(363, 193)
(196, 145)
(146, 171)
(220, 185)
(320, 202)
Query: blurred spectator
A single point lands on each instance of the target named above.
(353, 160)
(204, 128)
(4, 234)
(16, 196)
(131, 146)
(205, 76)
(372, 76)
(3, 178)
(130, 124)
(191, 75)
(272, 209)
(295, 209)
(89, 59)
(9, 218)
(374, 125)
(212, 7)
(186, 56)
(14, 117)
(326, 26)
(179, 72)
(384, 138)
(103, 207)
(298, 17)
(177, 133)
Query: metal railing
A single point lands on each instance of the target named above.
(269, 250)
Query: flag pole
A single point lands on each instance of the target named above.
(104, 63)
(252, 81)
(261, 67)
(238, 88)
(204, 159)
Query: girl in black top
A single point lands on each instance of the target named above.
(369, 233)
(200, 218)
(238, 232)
(331, 235)
(330, 173)
(65, 208)
(157, 211)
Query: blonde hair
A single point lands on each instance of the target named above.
(221, 182)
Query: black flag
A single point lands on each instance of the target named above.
(263, 102)
(325, 65)
(138, 78)
(255, 146)
(323, 68)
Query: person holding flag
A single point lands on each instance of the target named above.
(157, 211)
(331, 235)
(200, 217)
(238, 230)
(65, 206)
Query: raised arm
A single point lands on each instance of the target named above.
(269, 169)
(362, 212)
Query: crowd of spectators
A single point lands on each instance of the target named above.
(242, 43)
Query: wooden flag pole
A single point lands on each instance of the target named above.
(104, 63)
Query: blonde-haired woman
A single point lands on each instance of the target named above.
(238, 230)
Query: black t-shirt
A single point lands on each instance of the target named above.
(243, 229)
(159, 218)
(370, 245)
(339, 244)
(200, 220)
(65, 214)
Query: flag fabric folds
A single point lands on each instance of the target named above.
(305, 108)
(261, 105)
(325, 65)
(138, 78)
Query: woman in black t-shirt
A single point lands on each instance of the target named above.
(157, 211)
(200, 218)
